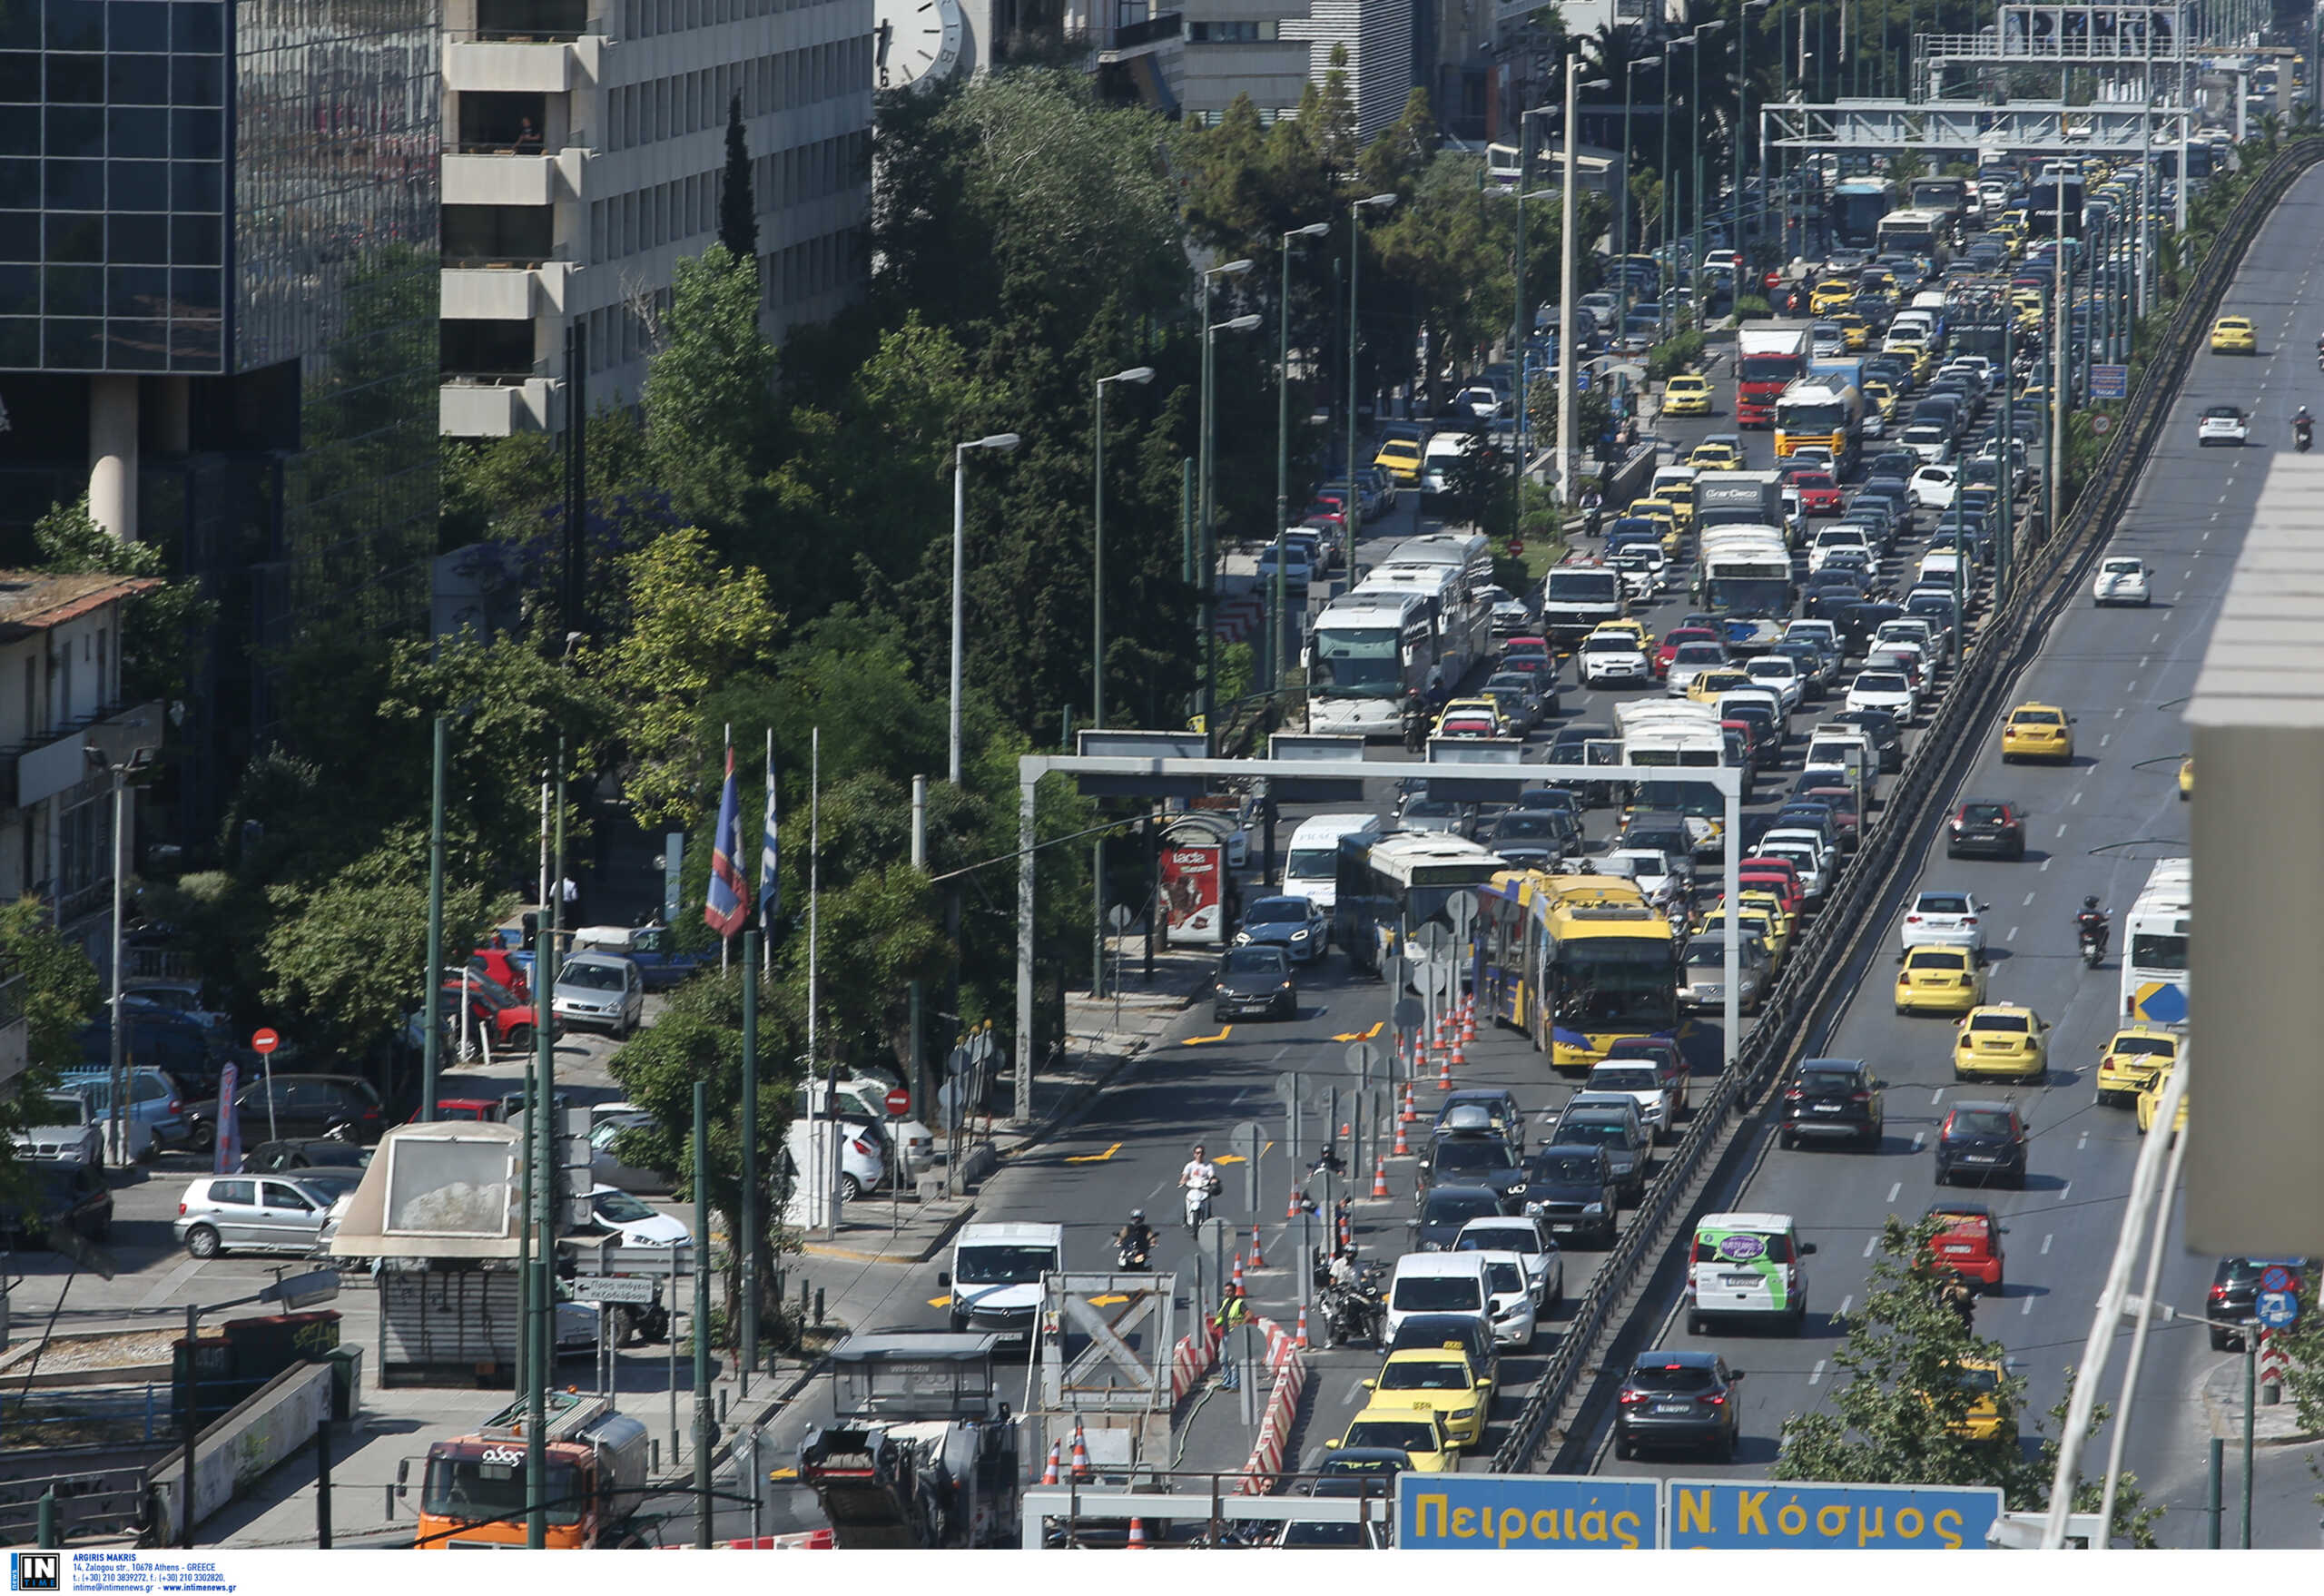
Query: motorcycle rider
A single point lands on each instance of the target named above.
(1955, 1293)
(2092, 924)
(1199, 1180)
(2303, 425)
(1416, 721)
(1137, 1239)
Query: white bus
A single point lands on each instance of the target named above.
(1311, 865)
(1918, 233)
(1460, 623)
(1392, 886)
(1366, 652)
(2155, 943)
(1745, 571)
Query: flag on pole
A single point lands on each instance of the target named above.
(770, 883)
(725, 910)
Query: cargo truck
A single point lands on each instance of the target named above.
(1768, 360)
(474, 1495)
(1738, 499)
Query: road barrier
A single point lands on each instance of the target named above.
(2045, 577)
(1266, 1464)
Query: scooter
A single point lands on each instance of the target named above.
(1133, 1256)
(2093, 947)
(2302, 435)
(1197, 1206)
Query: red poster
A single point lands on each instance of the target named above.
(1190, 887)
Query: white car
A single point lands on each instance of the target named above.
(1780, 673)
(1800, 837)
(2222, 424)
(1816, 456)
(1520, 1234)
(1638, 1079)
(1931, 488)
(1509, 614)
(1510, 1308)
(1644, 568)
(1942, 920)
(1888, 690)
(1650, 869)
(1690, 660)
(1803, 857)
(2122, 579)
(1612, 657)
(1831, 540)
(1927, 442)
(637, 1224)
(1479, 401)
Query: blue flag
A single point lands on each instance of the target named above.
(770, 882)
(724, 911)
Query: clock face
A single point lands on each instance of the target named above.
(916, 42)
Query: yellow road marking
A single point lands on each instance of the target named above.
(1229, 1158)
(1094, 1158)
(940, 1302)
(784, 1473)
(1099, 1302)
(1360, 1036)
(1224, 1032)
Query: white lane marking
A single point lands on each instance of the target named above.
(2027, 1310)
(2074, 800)
(2082, 1143)
(2175, 592)
(1816, 1374)
(1354, 1391)
(2046, 1244)
(2046, 864)
(1894, 1190)
(2118, 711)
(2029, 901)
(1843, 1304)
(2156, 638)
(1918, 1136)
(2063, 1190)
(1869, 1243)
(2012, 935)
(1936, 1096)
(2107, 738)
(2062, 830)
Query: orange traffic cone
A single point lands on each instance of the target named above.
(1403, 1149)
(1468, 1019)
(1238, 1283)
(1137, 1536)
(1049, 1475)
(1444, 1072)
(1408, 1116)
(1081, 1453)
(1291, 1208)
(1300, 1340)
(1380, 1179)
(1460, 1052)
(1258, 1258)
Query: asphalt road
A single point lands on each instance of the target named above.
(2096, 827)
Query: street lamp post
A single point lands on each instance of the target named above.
(1701, 205)
(1204, 449)
(1208, 552)
(1140, 375)
(1003, 441)
(1567, 228)
(138, 759)
(1742, 127)
(1276, 652)
(1354, 240)
(1622, 207)
(1669, 191)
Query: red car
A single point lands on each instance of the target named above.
(494, 964)
(1818, 494)
(490, 1003)
(1674, 637)
(1780, 876)
(1970, 1244)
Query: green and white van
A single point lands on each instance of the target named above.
(1747, 1267)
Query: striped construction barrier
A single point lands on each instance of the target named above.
(1267, 1460)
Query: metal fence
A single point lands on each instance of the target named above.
(2014, 627)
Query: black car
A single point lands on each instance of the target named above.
(1992, 828)
(1255, 980)
(1985, 1140)
(1442, 1211)
(1679, 1399)
(1533, 839)
(1569, 745)
(1669, 1065)
(72, 1197)
(1480, 1158)
(1555, 798)
(1569, 1186)
(1888, 737)
(269, 1157)
(2235, 1294)
(1859, 622)
(1834, 1098)
(312, 1106)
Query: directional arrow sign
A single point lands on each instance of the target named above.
(2276, 1310)
(608, 1289)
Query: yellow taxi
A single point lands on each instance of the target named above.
(1680, 497)
(1855, 329)
(1983, 1420)
(1687, 394)
(1418, 1433)
(2234, 335)
(1940, 981)
(2186, 778)
(1715, 456)
(1923, 360)
(1880, 396)
(1769, 904)
(2150, 1105)
(1438, 1380)
(2132, 1060)
(1752, 922)
(1831, 294)
(1472, 710)
(2001, 1041)
(1400, 457)
(2037, 731)
(1709, 685)
(1628, 626)
(1664, 515)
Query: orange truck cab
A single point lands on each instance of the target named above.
(474, 1496)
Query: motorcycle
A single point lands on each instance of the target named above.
(1415, 733)
(2094, 945)
(1353, 1313)
(2303, 434)
(1198, 1205)
(1132, 1255)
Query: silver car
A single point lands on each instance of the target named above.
(251, 1214)
(1703, 982)
(598, 989)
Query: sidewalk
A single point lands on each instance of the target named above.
(2221, 1392)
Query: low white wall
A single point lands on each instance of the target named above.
(276, 1421)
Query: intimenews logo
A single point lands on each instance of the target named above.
(36, 1571)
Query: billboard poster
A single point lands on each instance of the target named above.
(1193, 877)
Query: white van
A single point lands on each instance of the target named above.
(1747, 1267)
(1311, 865)
(1439, 460)
(1439, 1283)
(996, 1278)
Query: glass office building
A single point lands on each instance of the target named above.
(218, 303)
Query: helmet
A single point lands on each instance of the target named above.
(1138, 1216)
(2089, 903)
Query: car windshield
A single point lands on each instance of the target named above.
(598, 978)
(1625, 1078)
(1498, 1238)
(1983, 815)
(1699, 654)
(1523, 823)
(1432, 809)
(1880, 682)
(1942, 904)
(621, 1209)
(1613, 1133)
(1828, 1080)
(1473, 1154)
(1570, 1169)
(1438, 1293)
(1712, 955)
(1002, 1266)
(1980, 1122)
(1672, 1377)
(1608, 645)
(2162, 1045)
(2037, 717)
(1275, 911)
(2012, 1024)
(1403, 1435)
(1253, 961)
(1415, 1374)
(2222, 413)
(1504, 1277)
(1458, 1207)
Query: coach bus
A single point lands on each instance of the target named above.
(1389, 887)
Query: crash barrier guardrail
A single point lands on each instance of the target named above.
(2013, 626)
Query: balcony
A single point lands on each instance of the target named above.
(1142, 37)
(504, 293)
(57, 762)
(532, 22)
(499, 180)
(497, 407)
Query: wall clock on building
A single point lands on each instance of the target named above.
(917, 42)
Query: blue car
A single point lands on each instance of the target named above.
(1292, 923)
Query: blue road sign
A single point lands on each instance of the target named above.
(2110, 381)
(1543, 1513)
(1581, 379)
(2276, 1310)
(1731, 1513)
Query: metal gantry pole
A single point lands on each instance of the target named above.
(119, 1043)
(749, 1262)
(430, 1043)
(705, 1429)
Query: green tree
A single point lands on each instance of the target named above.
(60, 994)
(738, 211)
(1913, 1372)
(158, 625)
(708, 391)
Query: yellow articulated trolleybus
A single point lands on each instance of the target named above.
(1576, 962)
